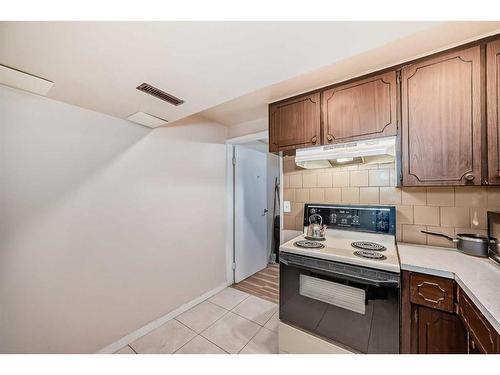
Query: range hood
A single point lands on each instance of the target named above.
(381, 150)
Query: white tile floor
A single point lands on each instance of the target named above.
(229, 322)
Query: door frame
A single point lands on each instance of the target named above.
(230, 246)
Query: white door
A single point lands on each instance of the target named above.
(250, 226)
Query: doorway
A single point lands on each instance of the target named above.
(253, 174)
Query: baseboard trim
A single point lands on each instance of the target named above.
(151, 326)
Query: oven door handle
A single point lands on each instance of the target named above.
(348, 276)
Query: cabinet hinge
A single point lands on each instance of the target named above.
(234, 266)
(234, 160)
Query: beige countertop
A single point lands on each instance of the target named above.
(478, 277)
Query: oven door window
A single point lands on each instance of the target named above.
(360, 316)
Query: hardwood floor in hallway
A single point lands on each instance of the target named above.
(263, 284)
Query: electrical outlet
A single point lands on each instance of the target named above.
(286, 206)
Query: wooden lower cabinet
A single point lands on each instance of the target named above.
(428, 327)
(439, 332)
(482, 335)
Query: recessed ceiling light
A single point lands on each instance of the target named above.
(146, 119)
(24, 81)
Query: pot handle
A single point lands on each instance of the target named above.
(440, 235)
(320, 219)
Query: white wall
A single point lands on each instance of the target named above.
(249, 127)
(104, 225)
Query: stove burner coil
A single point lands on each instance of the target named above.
(309, 244)
(366, 245)
(368, 254)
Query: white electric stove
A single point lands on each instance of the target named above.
(341, 293)
(371, 250)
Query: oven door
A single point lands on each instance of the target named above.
(353, 306)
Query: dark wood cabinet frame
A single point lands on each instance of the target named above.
(442, 319)
(486, 141)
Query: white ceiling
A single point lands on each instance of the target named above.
(97, 65)
(250, 110)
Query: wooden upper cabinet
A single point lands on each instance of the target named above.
(295, 123)
(360, 110)
(493, 103)
(441, 120)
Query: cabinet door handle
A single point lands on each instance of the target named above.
(314, 140)
(469, 177)
(436, 301)
(330, 138)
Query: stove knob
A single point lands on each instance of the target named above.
(312, 211)
(382, 225)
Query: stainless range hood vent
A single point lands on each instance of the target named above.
(382, 150)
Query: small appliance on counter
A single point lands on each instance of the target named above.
(341, 294)
(493, 235)
(316, 231)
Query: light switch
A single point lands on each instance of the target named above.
(286, 206)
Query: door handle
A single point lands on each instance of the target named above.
(265, 212)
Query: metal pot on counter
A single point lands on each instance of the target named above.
(469, 243)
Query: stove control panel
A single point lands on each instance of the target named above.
(375, 219)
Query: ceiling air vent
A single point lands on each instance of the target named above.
(21, 80)
(151, 90)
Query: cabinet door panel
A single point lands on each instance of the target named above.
(493, 100)
(295, 123)
(441, 118)
(483, 334)
(440, 333)
(431, 291)
(359, 110)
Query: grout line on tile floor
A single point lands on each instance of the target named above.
(220, 319)
(226, 312)
(244, 346)
(203, 337)
(267, 329)
(186, 326)
(234, 306)
(273, 314)
(215, 305)
(253, 321)
(223, 315)
(239, 303)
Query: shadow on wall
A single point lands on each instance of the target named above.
(48, 152)
(89, 206)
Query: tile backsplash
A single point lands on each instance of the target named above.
(448, 210)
